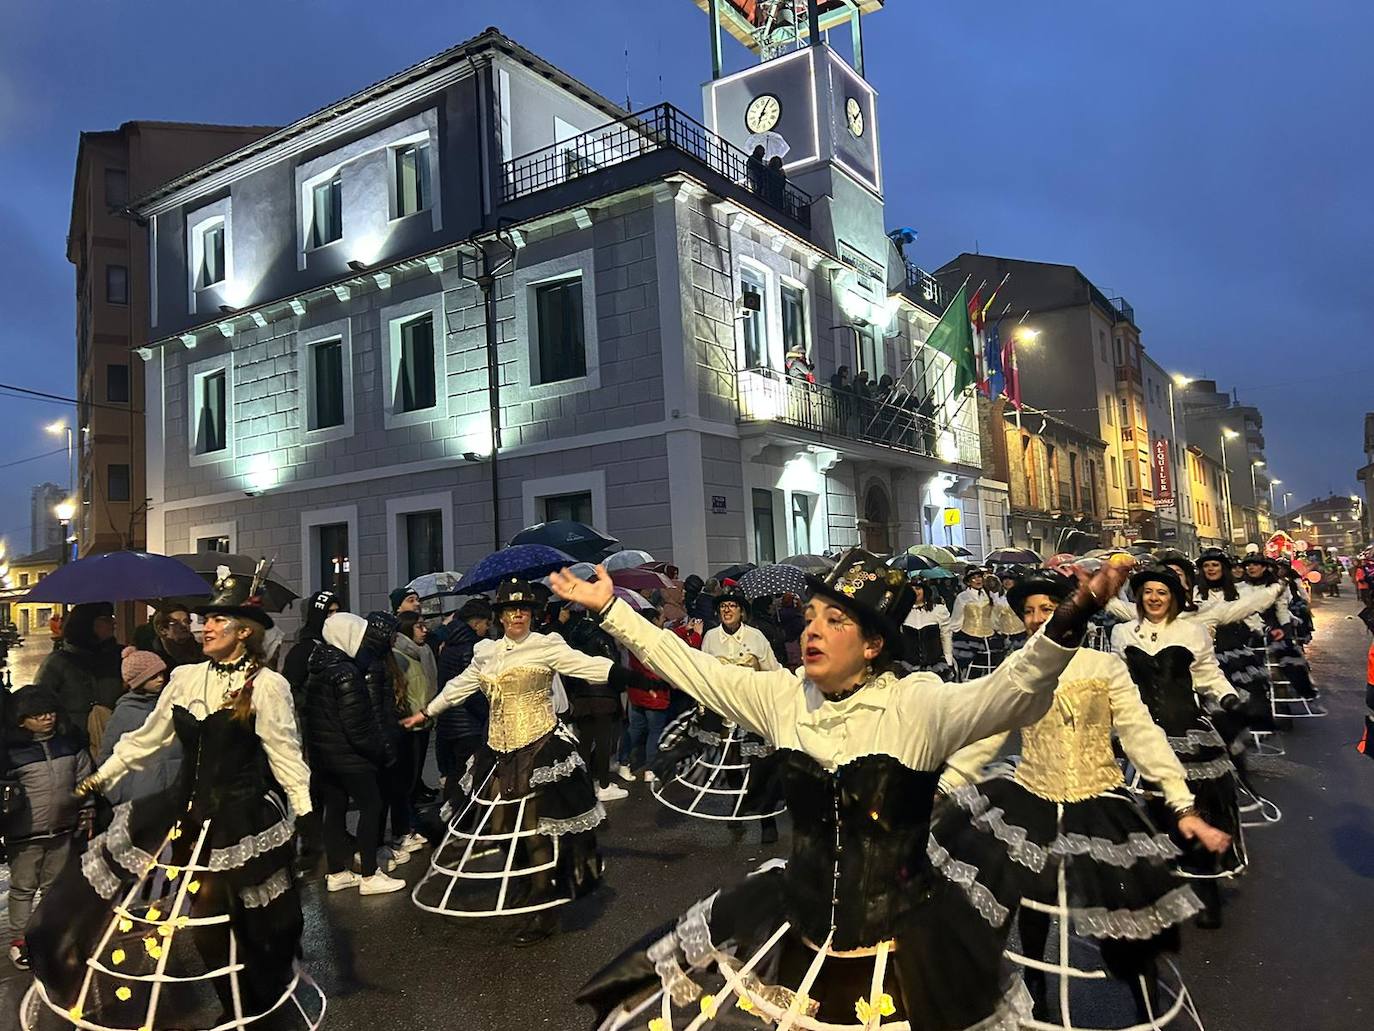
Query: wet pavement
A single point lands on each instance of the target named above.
(1294, 952)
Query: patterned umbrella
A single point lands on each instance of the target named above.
(767, 581)
(815, 564)
(628, 559)
(579, 540)
(527, 561)
(119, 576)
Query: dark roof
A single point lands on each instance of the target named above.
(489, 39)
(46, 557)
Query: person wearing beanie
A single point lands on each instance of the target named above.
(48, 763)
(403, 599)
(145, 675)
(314, 610)
(460, 731)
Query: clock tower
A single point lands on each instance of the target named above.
(818, 102)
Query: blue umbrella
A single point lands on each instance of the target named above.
(119, 576)
(938, 573)
(526, 561)
(770, 580)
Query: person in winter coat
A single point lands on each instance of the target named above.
(649, 701)
(173, 641)
(145, 675)
(348, 750)
(388, 680)
(48, 762)
(315, 609)
(84, 672)
(595, 707)
(422, 684)
(461, 730)
(761, 617)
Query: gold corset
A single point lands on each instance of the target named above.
(1067, 755)
(749, 660)
(521, 706)
(1007, 621)
(978, 620)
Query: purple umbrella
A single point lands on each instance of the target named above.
(119, 576)
(525, 561)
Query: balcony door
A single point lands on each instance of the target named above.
(876, 529)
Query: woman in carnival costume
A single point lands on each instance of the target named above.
(525, 843)
(210, 857)
(708, 766)
(978, 646)
(1063, 837)
(927, 633)
(854, 931)
(1173, 665)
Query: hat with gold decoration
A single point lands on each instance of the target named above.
(871, 590)
(238, 596)
(516, 594)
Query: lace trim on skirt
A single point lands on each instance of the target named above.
(1206, 771)
(1137, 924)
(546, 774)
(988, 817)
(97, 874)
(1195, 741)
(121, 848)
(1125, 854)
(256, 896)
(966, 877)
(574, 824)
(253, 845)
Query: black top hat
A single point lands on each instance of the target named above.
(1043, 582)
(1215, 555)
(1161, 575)
(233, 596)
(1258, 558)
(516, 594)
(733, 594)
(1171, 557)
(973, 571)
(863, 584)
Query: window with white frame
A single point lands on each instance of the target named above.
(755, 323)
(559, 328)
(326, 210)
(412, 177)
(415, 374)
(801, 522)
(211, 411)
(794, 336)
(325, 363)
(576, 507)
(327, 383)
(210, 267)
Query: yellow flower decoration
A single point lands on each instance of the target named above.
(117, 957)
(885, 1005)
(125, 924)
(153, 913)
(149, 944)
(708, 1006)
(745, 1003)
(176, 832)
(658, 1024)
(75, 1012)
(165, 930)
(123, 994)
(866, 1011)
(173, 872)
(155, 952)
(193, 887)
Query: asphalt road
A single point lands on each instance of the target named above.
(1294, 952)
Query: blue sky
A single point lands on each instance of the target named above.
(1210, 162)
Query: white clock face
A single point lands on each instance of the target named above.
(854, 117)
(762, 113)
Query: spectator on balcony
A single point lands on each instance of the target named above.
(866, 402)
(758, 172)
(797, 367)
(775, 184)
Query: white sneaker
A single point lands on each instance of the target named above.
(388, 858)
(649, 777)
(610, 793)
(341, 880)
(626, 774)
(412, 842)
(379, 884)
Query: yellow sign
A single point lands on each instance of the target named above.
(953, 517)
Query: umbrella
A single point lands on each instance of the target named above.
(817, 564)
(275, 595)
(526, 561)
(432, 584)
(642, 580)
(940, 556)
(734, 572)
(961, 552)
(938, 573)
(770, 580)
(666, 568)
(577, 540)
(910, 563)
(628, 559)
(119, 576)
(1013, 557)
(636, 599)
(773, 143)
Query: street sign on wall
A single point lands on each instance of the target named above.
(1164, 478)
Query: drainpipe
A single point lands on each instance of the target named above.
(486, 282)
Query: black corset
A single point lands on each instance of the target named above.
(224, 763)
(858, 845)
(1165, 681)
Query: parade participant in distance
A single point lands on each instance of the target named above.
(978, 647)
(1066, 811)
(210, 857)
(1286, 659)
(927, 634)
(855, 928)
(1173, 665)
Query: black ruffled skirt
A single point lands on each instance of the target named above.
(1241, 655)
(1001, 844)
(712, 769)
(110, 929)
(978, 656)
(730, 953)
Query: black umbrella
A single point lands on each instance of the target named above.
(817, 564)
(276, 596)
(572, 538)
(733, 572)
(911, 563)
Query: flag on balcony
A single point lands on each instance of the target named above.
(975, 317)
(953, 337)
(1013, 373)
(995, 381)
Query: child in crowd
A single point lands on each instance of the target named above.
(144, 675)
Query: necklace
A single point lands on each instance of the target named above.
(228, 669)
(847, 693)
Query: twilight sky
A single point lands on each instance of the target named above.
(1210, 162)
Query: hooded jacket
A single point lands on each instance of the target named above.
(470, 718)
(341, 724)
(49, 770)
(159, 772)
(422, 672)
(85, 671)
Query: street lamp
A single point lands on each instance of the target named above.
(1272, 485)
(57, 429)
(65, 512)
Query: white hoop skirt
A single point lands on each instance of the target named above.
(712, 769)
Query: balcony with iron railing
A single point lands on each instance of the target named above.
(769, 396)
(654, 142)
(925, 288)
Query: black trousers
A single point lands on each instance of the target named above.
(397, 782)
(598, 733)
(339, 792)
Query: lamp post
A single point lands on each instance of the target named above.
(65, 512)
(1255, 463)
(57, 429)
(1228, 434)
(1272, 485)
